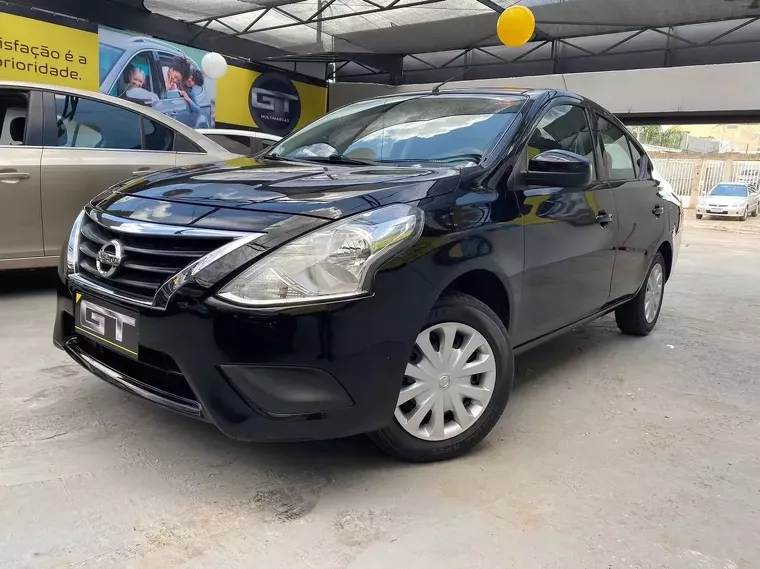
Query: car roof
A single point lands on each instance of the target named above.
(236, 132)
(206, 143)
(524, 91)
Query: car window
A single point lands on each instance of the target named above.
(84, 123)
(108, 56)
(156, 136)
(733, 190)
(13, 111)
(236, 144)
(175, 70)
(564, 127)
(137, 74)
(615, 150)
(447, 128)
(641, 169)
(183, 144)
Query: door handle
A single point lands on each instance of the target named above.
(658, 210)
(13, 177)
(603, 218)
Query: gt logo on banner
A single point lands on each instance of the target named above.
(275, 104)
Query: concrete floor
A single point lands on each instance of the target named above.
(614, 452)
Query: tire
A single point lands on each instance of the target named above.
(458, 312)
(699, 216)
(632, 316)
(744, 217)
(754, 213)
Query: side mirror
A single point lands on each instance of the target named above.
(141, 96)
(559, 168)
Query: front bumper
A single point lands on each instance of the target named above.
(312, 373)
(721, 212)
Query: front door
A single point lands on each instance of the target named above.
(20, 156)
(570, 233)
(641, 211)
(93, 146)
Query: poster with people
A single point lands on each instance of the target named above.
(164, 76)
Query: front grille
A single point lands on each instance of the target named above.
(149, 259)
(154, 370)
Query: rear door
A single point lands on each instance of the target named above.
(89, 146)
(641, 210)
(570, 233)
(20, 157)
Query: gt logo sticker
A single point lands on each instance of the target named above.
(107, 324)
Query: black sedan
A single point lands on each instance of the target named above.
(375, 272)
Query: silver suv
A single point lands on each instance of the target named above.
(60, 147)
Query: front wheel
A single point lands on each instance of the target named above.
(744, 215)
(455, 386)
(638, 316)
(699, 216)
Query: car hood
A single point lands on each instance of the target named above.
(279, 187)
(723, 199)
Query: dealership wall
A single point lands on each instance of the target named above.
(730, 88)
(46, 48)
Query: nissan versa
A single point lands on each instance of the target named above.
(373, 273)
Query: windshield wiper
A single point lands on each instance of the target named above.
(337, 159)
(472, 157)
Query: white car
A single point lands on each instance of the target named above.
(729, 200)
(245, 142)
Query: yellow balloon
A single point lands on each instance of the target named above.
(516, 26)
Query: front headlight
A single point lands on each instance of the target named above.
(334, 262)
(72, 248)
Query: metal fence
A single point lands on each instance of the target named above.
(679, 173)
(682, 174)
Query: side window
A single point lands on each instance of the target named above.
(175, 72)
(13, 112)
(564, 127)
(156, 136)
(84, 123)
(616, 151)
(182, 144)
(641, 164)
(137, 74)
(236, 144)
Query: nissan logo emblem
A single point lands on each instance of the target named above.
(109, 258)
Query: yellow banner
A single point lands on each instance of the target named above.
(269, 101)
(41, 52)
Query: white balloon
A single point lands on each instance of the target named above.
(214, 65)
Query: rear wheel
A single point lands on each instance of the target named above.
(699, 216)
(754, 213)
(455, 386)
(638, 316)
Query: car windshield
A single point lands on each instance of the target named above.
(447, 128)
(107, 58)
(734, 190)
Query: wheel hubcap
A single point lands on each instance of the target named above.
(653, 296)
(448, 382)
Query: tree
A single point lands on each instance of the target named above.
(650, 134)
(673, 136)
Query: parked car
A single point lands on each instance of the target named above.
(120, 55)
(245, 142)
(59, 147)
(375, 272)
(729, 200)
